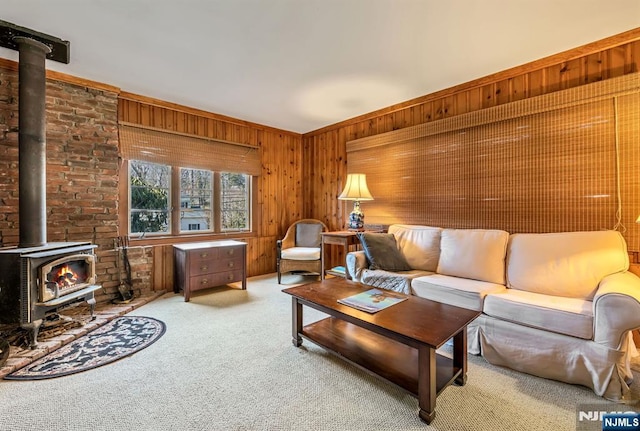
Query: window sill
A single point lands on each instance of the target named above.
(179, 239)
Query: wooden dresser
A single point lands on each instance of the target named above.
(201, 265)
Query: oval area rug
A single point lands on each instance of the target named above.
(115, 340)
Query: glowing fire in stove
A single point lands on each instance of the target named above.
(66, 277)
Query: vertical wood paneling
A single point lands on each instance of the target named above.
(162, 278)
(519, 88)
(553, 76)
(537, 82)
(570, 74)
(592, 68)
(462, 104)
(601, 60)
(503, 92)
(488, 95)
(474, 98)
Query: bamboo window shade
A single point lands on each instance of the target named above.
(178, 149)
(565, 161)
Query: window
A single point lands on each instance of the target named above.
(149, 197)
(196, 197)
(205, 201)
(235, 202)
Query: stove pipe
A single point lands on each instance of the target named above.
(32, 142)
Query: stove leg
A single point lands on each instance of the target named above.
(92, 304)
(33, 328)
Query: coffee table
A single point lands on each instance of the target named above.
(397, 344)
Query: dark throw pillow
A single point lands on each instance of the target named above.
(382, 252)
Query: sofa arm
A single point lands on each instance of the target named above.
(356, 262)
(616, 308)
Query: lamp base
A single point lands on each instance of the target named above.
(356, 218)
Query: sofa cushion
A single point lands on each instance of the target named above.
(396, 281)
(301, 253)
(382, 252)
(569, 264)
(478, 254)
(569, 316)
(420, 245)
(461, 292)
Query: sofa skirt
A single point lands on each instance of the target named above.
(554, 356)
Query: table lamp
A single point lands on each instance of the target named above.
(356, 190)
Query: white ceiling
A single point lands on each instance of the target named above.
(300, 65)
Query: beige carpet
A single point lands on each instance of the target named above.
(226, 362)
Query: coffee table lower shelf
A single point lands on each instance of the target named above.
(382, 357)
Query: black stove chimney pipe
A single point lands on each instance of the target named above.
(32, 142)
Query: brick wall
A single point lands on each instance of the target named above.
(82, 174)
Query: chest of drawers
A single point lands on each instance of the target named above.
(201, 265)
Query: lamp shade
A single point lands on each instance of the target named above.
(356, 189)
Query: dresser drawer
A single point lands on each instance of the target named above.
(208, 266)
(231, 252)
(227, 264)
(203, 256)
(212, 280)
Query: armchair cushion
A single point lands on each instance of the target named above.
(308, 234)
(382, 252)
(301, 253)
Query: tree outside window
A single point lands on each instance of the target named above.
(235, 201)
(150, 192)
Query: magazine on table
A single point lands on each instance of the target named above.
(373, 300)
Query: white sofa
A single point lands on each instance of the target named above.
(558, 305)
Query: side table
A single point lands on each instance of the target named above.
(346, 239)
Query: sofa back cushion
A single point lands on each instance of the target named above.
(567, 264)
(478, 254)
(420, 245)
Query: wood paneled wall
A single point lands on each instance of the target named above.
(279, 191)
(326, 159)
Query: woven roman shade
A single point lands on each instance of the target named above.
(177, 149)
(564, 161)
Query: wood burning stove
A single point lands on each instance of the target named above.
(37, 280)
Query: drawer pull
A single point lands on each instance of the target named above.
(204, 268)
(231, 251)
(230, 277)
(231, 264)
(205, 281)
(204, 254)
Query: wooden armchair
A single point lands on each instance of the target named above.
(300, 248)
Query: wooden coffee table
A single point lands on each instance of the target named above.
(397, 344)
